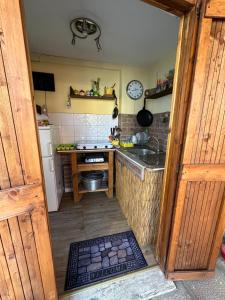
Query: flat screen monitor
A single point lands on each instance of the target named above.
(43, 81)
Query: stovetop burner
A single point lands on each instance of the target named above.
(89, 145)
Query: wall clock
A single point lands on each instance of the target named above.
(135, 89)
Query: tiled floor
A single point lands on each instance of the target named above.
(209, 289)
(94, 216)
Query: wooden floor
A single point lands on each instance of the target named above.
(93, 217)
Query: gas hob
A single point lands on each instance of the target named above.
(90, 145)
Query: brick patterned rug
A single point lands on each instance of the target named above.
(101, 258)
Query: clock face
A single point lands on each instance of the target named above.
(135, 89)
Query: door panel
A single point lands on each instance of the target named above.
(201, 209)
(19, 247)
(26, 265)
(198, 222)
(19, 94)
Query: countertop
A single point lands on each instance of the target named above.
(156, 161)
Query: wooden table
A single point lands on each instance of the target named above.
(77, 167)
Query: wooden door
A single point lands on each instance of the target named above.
(199, 213)
(26, 266)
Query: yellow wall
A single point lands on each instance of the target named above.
(79, 75)
(159, 70)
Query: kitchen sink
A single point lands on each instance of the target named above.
(141, 152)
(147, 156)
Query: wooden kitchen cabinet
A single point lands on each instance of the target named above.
(78, 166)
(139, 199)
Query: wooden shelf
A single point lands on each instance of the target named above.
(160, 94)
(77, 166)
(93, 97)
(92, 167)
(103, 188)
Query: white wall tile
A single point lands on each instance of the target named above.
(82, 127)
(68, 140)
(80, 119)
(67, 131)
(103, 132)
(66, 119)
(54, 118)
(80, 131)
(91, 120)
(104, 120)
(91, 131)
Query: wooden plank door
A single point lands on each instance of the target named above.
(26, 266)
(199, 213)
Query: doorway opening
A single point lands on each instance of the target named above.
(139, 68)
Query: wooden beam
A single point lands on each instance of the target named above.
(175, 7)
(215, 9)
(203, 173)
(189, 275)
(19, 200)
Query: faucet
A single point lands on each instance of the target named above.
(156, 143)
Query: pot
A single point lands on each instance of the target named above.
(92, 180)
(144, 116)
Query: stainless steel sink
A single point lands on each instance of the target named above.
(141, 152)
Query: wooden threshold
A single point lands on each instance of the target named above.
(189, 275)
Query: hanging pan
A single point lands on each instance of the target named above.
(115, 110)
(144, 116)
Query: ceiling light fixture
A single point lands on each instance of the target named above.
(83, 27)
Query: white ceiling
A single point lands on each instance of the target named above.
(133, 32)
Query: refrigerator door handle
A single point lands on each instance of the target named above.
(50, 150)
(51, 165)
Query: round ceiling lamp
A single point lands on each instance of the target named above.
(83, 27)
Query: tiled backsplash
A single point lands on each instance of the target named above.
(159, 127)
(129, 125)
(81, 127)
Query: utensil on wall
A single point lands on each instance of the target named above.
(115, 110)
(144, 116)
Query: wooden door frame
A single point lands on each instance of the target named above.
(189, 12)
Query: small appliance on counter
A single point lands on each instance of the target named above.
(90, 145)
(94, 158)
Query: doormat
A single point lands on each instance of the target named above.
(101, 258)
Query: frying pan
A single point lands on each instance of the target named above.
(144, 116)
(115, 110)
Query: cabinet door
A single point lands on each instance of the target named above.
(50, 183)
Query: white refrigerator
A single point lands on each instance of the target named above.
(49, 139)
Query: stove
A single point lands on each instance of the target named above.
(90, 145)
